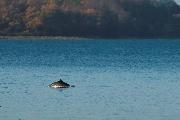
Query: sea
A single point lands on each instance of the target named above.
(115, 79)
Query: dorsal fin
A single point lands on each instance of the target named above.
(60, 80)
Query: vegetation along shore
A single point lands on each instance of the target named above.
(90, 18)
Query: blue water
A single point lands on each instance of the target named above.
(114, 79)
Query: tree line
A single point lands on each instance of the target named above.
(90, 18)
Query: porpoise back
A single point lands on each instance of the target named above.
(59, 84)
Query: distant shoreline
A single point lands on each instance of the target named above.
(42, 37)
(76, 37)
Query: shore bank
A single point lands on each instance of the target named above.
(79, 38)
(41, 37)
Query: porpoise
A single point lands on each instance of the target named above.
(60, 84)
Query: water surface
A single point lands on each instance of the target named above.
(114, 79)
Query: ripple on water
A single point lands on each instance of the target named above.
(5, 87)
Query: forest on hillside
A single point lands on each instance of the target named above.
(90, 18)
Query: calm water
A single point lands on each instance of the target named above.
(114, 79)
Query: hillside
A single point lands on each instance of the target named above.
(90, 18)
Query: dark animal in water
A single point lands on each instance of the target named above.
(60, 84)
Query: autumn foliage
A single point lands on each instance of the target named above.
(90, 18)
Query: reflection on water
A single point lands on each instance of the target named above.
(114, 79)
